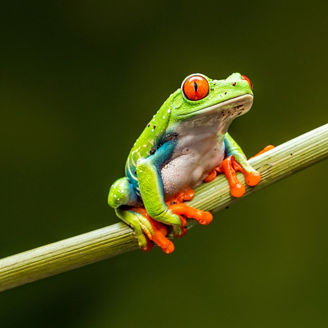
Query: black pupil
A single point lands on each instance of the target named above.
(195, 86)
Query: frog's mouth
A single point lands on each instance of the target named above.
(230, 108)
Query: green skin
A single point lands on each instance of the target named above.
(183, 142)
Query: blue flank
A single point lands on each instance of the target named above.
(161, 155)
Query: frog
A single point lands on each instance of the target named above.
(185, 144)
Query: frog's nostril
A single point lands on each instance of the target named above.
(244, 77)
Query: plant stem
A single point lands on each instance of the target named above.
(71, 253)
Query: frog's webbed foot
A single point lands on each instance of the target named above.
(230, 166)
(176, 205)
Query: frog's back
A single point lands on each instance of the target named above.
(148, 141)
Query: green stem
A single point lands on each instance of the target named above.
(71, 253)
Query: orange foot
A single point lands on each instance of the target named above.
(229, 167)
(160, 231)
(176, 205)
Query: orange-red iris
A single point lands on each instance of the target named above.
(195, 87)
(248, 80)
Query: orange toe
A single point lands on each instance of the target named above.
(229, 166)
(252, 178)
(165, 244)
(202, 217)
(158, 236)
(188, 194)
(237, 190)
(264, 150)
(211, 176)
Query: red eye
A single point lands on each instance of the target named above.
(248, 80)
(195, 87)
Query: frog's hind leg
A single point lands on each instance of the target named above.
(146, 229)
(135, 220)
(121, 195)
(123, 198)
(155, 231)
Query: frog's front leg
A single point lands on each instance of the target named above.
(235, 161)
(152, 192)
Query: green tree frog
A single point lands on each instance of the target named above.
(185, 144)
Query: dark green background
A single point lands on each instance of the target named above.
(78, 82)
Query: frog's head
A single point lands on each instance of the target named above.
(199, 95)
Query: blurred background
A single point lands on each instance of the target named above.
(78, 82)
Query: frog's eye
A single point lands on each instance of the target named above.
(195, 87)
(244, 77)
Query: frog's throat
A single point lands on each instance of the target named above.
(235, 107)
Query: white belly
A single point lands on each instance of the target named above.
(193, 159)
